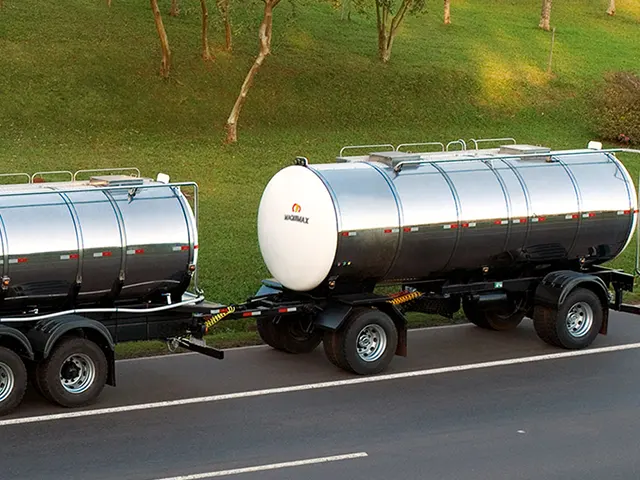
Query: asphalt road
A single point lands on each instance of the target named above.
(576, 417)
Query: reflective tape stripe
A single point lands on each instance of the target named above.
(391, 230)
(136, 251)
(287, 310)
(18, 260)
(251, 314)
(102, 254)
(71, 256)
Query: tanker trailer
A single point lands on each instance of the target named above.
(86, 264)
(504, 233)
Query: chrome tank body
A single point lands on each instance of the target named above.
(455, 214)
(93, 241)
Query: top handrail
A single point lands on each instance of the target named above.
(487, 140)
(20, 174)
(459, 141)
(353, 147)
(399, 165)
(50, 172)
(419, 143)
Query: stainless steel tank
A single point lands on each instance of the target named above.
(112, 238)
(397, 217)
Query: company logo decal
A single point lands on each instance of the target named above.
(296, 208)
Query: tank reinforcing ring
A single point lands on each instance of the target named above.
(7, 381)
(77, 373)
(579, 319)
(372, 343)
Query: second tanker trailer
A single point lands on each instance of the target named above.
(504, 233)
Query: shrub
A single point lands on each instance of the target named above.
(618, 108)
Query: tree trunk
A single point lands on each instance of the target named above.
(387, 30)
(447, 12)
(174, 8)
(612, 7)
(264, 33)
(108, 3)
(545, 16)
(223, 6)
(164, 41)
(206, 54)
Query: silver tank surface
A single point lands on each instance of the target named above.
(87, 241)
(399, 217)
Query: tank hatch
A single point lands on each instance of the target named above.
(393, 158)
(115, 180)
(544, 152)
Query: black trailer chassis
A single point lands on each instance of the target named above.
(68, 356)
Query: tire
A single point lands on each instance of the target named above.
(13, 380)
(33, 379)
(74, 374)
(371, 330)
(574, 325)
(288, 334)
(492, 319)
(269, 333)
(331, 345)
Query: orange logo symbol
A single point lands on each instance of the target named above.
(296, 208)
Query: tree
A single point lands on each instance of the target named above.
(612, 7)
(447, 12)
(264, 34)
(206, 54)
(223, 6)
(388, 23)
(174, 8)
(164, 41)
(545, 16)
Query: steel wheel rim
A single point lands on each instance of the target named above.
(7, 381)
(77, 373)
(371, 343)
(579, 319)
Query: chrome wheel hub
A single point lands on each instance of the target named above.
(579, 319)
(77, 373)
(7, 381)
(372, 343)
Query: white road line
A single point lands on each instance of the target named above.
(251, 347)
(317, 386)
(273, 466)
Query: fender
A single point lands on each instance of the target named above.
(334, 316)
(268, 287)
(18, 337)
(556, 286)
(47, 333)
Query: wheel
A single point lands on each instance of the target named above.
(289, 334)
(13, 380)
(74, 374)
(574, 325)
(364, 344)
(498, 319)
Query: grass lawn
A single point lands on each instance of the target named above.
(80, 89)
